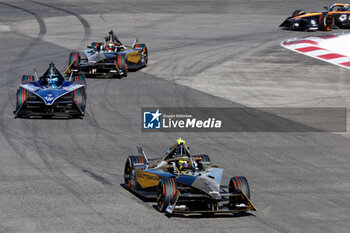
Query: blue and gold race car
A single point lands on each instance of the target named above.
(51, 95)
(185, 183)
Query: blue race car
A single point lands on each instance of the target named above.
(51, 95)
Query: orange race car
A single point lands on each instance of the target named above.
(337, 16)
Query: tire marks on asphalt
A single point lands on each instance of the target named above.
(60, 177)
(21, 56)
(39, 19)
(16, 142)
(84, 22)
(9, 135)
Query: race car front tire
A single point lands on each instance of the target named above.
(21, 97)
(79, 98)
(166, 193)
(325, 22)
(239, 184)
(79, 79)
(122, 64)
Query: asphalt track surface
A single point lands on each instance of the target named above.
(66, 175)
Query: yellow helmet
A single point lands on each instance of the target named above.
(180, 141)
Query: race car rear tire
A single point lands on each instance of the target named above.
(74, 57)
(130, 163)
(325, 22)
(122, 64)
(138, 159)
(21, 97)
(128, 172)
(27, 79)
(237, 184)
(144, 53)
(297, 13)
(166, 193)
(205, 158)
(79, 98)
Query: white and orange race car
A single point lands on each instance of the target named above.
(337, 16)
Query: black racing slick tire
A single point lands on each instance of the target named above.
(325, 22)
(27, 79)
(130, 163)
(80, 98)
(297, 13)
(122, 64)
(74, 57)
(138, 160)
(204, 158)
(239, 184)
(166, 193)
(128, 172)
(22, 96)
(144, 53)
(79, 79)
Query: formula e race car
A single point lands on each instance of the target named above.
(337, 16)
(184, 183)
(51, 95)
(109, 58)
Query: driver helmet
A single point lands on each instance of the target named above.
(110, 47)
(183, 165)
(52, 79)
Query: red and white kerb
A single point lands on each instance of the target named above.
(312, 46)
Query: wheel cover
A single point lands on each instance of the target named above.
(160, 197)
(127, 174)
(145, 54)
(328, 22)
